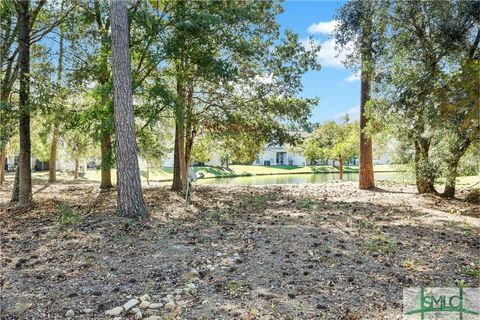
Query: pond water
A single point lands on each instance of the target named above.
(304, 178)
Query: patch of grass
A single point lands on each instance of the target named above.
(370, 225)
(260, 199)
(158, 234)
(147, 288)
(217, 216)
(381, 244)
(409, 264)
(474, 271)
(66, 214)
(234, 287)
(308, 204)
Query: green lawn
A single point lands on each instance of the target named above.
(165, 174)
(249, 170)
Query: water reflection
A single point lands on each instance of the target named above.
(304, 178)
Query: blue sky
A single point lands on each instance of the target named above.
(337, 86)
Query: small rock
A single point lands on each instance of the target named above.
(130, 304)
(170, 305)
(154, 318)
(178, 291)
(88, 311)
(117, 318)
(144, 304)
(69, 313)
(135, 310)
(155, 305)
(138, 315)
(114, 312)
(145, 297)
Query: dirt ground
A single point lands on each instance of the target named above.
(316, 251)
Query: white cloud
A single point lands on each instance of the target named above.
(329, 57)
(353, 113)
(353, 77)
(326, 27)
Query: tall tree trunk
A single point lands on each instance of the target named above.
(3, 156)
(340, 167)
(130, 201)
(52, 173)
(179, 183)
(366, 178)
(106, 154)
(190, 129)
(52, 162)
(179, 170)
(423, 171)
(15, 189)
(25, 173)
(77, 166)
(452, 168)
(451, 178)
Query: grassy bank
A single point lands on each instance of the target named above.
(166, 173)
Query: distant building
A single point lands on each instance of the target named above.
(280, 155)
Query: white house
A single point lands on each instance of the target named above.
(280, 155)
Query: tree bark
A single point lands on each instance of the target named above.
(451, 178)
(366, 177)
(3, 156)
(106, 154)
(15, 189)
(190, 129)
(423, 172)
(340, 167)
(25, 171)
(77, 166)
(130, 201)
(452, 168)
(179, 172)
(179, 183)
(52, 162)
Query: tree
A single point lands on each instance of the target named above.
(333, 141)
(130, 198)
(362, 25)
(427, 85)
(9, 74)
(25, 176)
(77, 146)
(233, 73)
